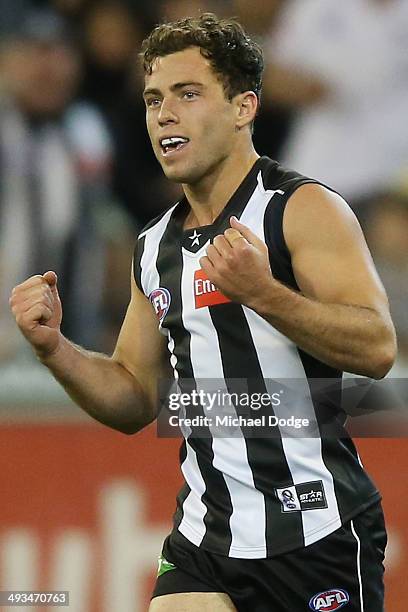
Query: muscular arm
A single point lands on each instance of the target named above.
(119, 391)
(341, 315)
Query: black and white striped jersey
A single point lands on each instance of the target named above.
(245, 497)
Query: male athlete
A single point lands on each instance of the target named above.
(257, 273)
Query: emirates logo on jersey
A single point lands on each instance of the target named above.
(160, 299)
(205, 292)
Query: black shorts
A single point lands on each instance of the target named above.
(344, 569)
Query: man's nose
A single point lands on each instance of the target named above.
(167, 113)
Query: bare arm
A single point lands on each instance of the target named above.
(119, 391)
(341, 316)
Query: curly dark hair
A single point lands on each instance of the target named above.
(234, 57)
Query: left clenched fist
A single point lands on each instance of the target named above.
(237, 263)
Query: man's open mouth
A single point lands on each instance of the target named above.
(173, 144)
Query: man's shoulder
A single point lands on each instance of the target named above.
(276, 176)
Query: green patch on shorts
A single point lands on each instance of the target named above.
(164, 566)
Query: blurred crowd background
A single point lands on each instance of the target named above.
(77, 175)
(84, 508)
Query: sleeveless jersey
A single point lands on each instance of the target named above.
(245, 496)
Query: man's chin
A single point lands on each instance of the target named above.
(182, 173)
(176, 175)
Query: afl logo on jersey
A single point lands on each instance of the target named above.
(334, 599)
(160, 298)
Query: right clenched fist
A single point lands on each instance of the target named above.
(36, 307)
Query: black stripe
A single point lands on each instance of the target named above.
(216, 497)
(235, 338)
(279, 256)
(155, 221)
(137, 256)
(281, 266)
(184, 491)
(370, 528)
(339, 454)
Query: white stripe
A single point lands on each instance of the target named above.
(150, 276)
(359, 460)
(358, 565)
(150, 281)
(247, 522)
(254, 212)
(173, 358)
(279, 358)
(193, 527)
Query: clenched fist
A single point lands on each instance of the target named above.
(237, 263)
(36, 307)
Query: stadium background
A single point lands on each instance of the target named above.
(84, 508)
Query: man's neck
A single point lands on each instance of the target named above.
(208, 198)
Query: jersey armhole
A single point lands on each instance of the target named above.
(273, 228)
(137, 268)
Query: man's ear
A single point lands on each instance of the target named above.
(247, 106)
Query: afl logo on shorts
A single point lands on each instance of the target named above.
(334, 599)
(160, 298)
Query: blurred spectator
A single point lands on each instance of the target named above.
(54, 164)
(343, 66)
(71, 7)
(271, 127)
(258, 17)
(173, 10)
(112, 36)
(387, 235)
(11, 15)
(139, 181)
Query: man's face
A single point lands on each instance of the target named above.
(186, 102)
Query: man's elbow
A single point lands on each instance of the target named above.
(129, 429)
(383, 356)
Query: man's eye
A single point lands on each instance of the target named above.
(153, 102)
(190, 95)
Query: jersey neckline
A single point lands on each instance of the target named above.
(194, 238)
